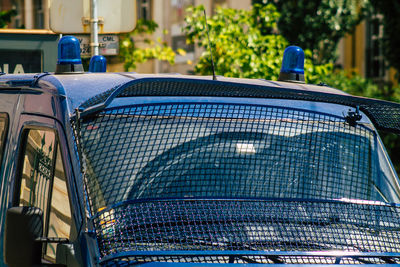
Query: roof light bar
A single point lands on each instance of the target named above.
(98, 63)
(69, 56)
(292, 65)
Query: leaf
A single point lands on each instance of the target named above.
(181, 52)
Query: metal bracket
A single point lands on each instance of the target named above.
(353, 117)
(87, 21)
(37, 78)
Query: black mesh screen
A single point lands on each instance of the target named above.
(249, 225)
(222, 150)
(205, 152)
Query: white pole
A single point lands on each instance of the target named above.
(94, 22)
(28, 14)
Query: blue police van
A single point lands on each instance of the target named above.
(122, 169)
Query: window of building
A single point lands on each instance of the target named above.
(144, 9)
(376, 65)
(38, 14)
(178, 39)
(178, 12)
(43, 185)
(30, 14)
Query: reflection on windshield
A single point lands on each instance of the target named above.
(226, 151)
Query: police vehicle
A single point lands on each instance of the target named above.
(121, 169)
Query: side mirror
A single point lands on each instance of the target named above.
(22, 227)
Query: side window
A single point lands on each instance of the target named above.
(43, 185)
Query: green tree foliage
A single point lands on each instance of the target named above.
(318, 25)
(6, 16)
(390, 9)
(134, 52)
(241, 48)
(353, 83)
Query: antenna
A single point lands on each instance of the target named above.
(209, 46)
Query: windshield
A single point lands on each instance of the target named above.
(227, 151)
(236, 177)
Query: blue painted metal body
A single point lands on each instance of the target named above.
(48, 100)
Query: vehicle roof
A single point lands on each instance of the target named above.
(94, 89)
(78, 88)
(98, 83)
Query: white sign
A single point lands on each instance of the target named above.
(73, 16)
(108, 44)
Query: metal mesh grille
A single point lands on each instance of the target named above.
(385, 115)
(207, 152)
(222, 150)
(249, 225)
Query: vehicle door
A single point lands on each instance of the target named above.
(41, 179)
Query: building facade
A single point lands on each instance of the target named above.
(168, 14)
(359, 51)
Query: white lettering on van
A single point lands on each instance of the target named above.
(5, 68)
(19, 69)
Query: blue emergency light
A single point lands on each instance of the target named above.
(292, 65)
(69, 55)
(98, 63)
